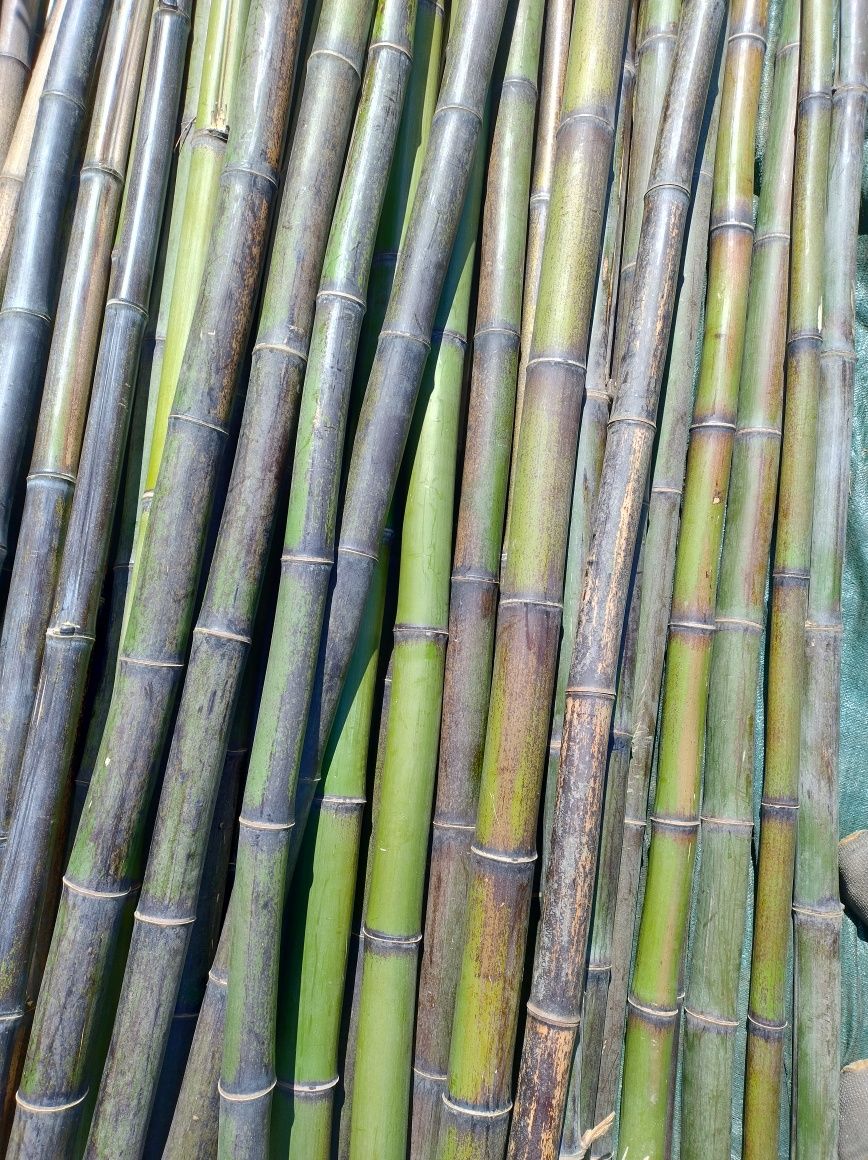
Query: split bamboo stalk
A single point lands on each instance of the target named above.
(554, 1006)
(195, 206)
(19, 34)
(31, 288)
(653, 1013)
(727, 810)
(476, 565)
(664, 510)
(816, 902)
(38, 818)
(15, 162)
(789, 586)
(399, 363)
(66, 392)
(153, 347)
(476, 1108)
(398, 845)
(320, 910)
(97, 883)
(556, 48)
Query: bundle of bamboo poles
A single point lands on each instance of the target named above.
(425, 439)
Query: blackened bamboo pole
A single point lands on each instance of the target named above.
(556, 48)
(476, 1106)
(38, 819)
(97, 883)
(664, 511)
(66, 392)
(31, 288)
(727, 811)
(476, 565)
(399, 363)
(19, 34)
(816, 901)
(15, 163)
(554, 1005)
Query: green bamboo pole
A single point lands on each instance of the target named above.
(816, 901)
(393, 385)
(653, 1006)
(32, 281)
(398, 847)
(554, 1005)
(789, 584)
(320, 909)
(19, 34)
(727, 811)
(97, 883)
(556, 48)
(476, 564)
(38, 816)
(66, 392)
(195, 205)
(475, 1111)
(153, 348)
(664, 510)
(15, 162)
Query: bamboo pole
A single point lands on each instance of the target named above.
(553, 1009)
(476, 565)
(97, 883)
(66, 392)
(15, 163)
(398, 365)
(816, 901)
(31, 283)
(196, 207)
(712, 995)
(475, 1111)
(38, 818)
(19, 34)
(653, 1012)
(556, 48)
(664, 510)
(153, 348)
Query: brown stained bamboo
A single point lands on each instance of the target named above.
(475, 569)
(19, 33)
(816, 901)
(475, 1114)
(664, 510)
(98, 879)
(554, 1005)
(556, 47)
(15, 163)
(66, 391)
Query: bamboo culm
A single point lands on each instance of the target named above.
(476, 565)
(476, 1107)
(816, 901)
(19, 33)
(104, 856)
(396, 374)
(39, 813)
(66, 392)
(30, 294)
(554, 1005)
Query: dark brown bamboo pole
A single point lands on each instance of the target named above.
(476, 564)
(66, 392)
(402, 351)
(19, 33)
(476, 1108)
(554, 1006)
(816, 901)
(664, 511)
(98, 879)
(31, 288)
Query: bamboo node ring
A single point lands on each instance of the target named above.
(270, 827)
(456, 106)
(157, 920)
(390, 939)
(713, 1020)
(401, 48)
(179, 418)
(220, 634)
(507, 859)
(435, 1075)
(658, 1012)
(87, 892)
(244, 1097)
(480, 1113)
(337, 56)
(552, 1019)
(48, 1109)
(309, 1088)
